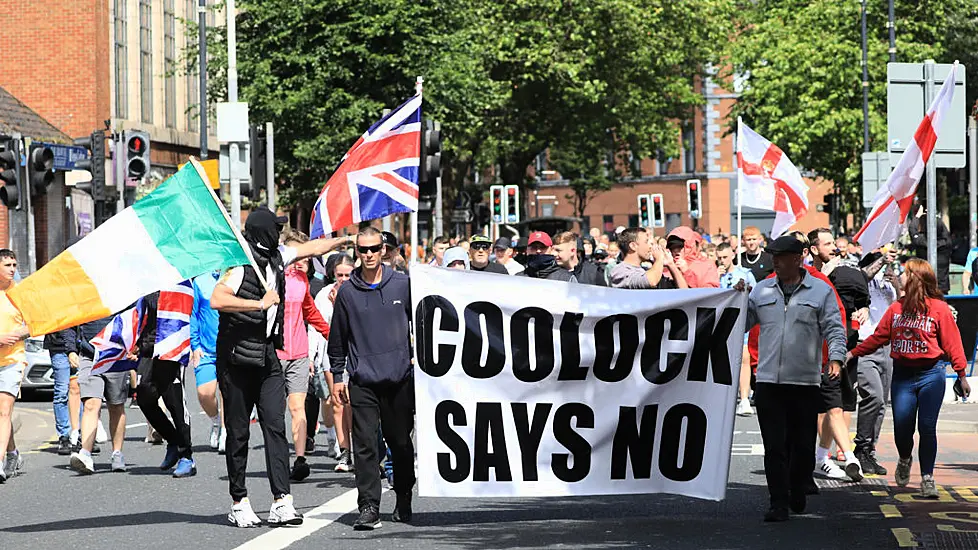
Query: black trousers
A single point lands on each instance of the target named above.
(392, 406)
(788, 415)
(164, 379)
(244, 388)
(312, 412)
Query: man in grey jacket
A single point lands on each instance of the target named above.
(796, 312)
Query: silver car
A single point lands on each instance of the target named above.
(40, 375)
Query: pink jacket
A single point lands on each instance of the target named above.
(299, 308)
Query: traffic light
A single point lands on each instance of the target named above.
(512, 204)
(10, 172)
(658, 213)
(497, 195)
(259, 160)
(137, 154)
(40, 169)
(831, 204)
(430, 168)
(644, 215)
(693, 198)
(95, 163)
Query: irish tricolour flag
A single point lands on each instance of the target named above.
(177, 232)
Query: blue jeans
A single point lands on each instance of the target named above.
(62, 376)
(916, 397)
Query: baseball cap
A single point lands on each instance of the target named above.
(480, 239)
(456, 254)
(673, 240)
(503, 242)
(389, 239)
(785, 245)
(539, 237)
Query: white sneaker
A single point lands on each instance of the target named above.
(12, 464)
(118, 462)
(928, 487)
(283, 513)
(82, 464)
(222, 441)
(100, 435)
(241, 515)
(743, 408)
(215, 436)
(830, 470)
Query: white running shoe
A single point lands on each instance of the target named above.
(902, 474)
(222, 441)
(12, 464)
(928, 487)
(118, 462)
(830, 470)
(283, 513)
(743, 408)
(241, 515)
(82, 464)
(100, 435)
(215, 436)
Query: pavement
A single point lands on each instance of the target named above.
(52, 507)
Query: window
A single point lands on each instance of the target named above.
(633, 220)
(121, 65)
(192, 77)
(169, 62)
(689, 148)
(146, 59)
(609, 224)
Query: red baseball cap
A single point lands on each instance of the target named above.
(540, 237)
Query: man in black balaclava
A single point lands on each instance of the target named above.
(540, 261)
(248, 370)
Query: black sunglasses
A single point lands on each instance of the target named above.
(373, 249)
(479, 246)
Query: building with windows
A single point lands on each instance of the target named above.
(708, 154)
(85, 64)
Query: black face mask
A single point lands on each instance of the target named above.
(537, 262)
(262, 234)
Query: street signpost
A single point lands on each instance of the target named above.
(65, 156)
(876, 168)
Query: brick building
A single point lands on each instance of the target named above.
(81, 63)
(708, 154)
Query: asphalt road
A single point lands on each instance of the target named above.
(52, 507)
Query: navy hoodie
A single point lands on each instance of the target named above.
(369, 334)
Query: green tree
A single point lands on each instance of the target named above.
(800, 61)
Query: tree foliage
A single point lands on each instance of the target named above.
(800, 61)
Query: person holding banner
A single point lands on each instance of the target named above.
(795, 312)
(369, 353)
(921, 331)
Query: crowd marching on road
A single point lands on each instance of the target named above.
(325, 326)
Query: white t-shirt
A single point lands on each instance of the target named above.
(317, 344)
(513, 267)
(234, 277)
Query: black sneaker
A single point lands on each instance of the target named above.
(402, 509)
(300, 470)
(64, 446)
(776, 515)
(869, 463)
(369, 519)
(798, 503)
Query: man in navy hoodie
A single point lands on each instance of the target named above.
(370, 358)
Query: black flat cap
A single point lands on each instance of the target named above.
(785, 245)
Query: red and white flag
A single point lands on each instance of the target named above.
(768, 180)
(894, 200)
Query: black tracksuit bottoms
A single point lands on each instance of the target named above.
(243, 388)
(788, 415)
(159, 378)
(393, 406)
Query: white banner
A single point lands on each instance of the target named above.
(542, 388)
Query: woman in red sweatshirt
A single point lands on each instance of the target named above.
(921, 331)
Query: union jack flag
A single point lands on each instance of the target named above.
(173, 323)
(377, 177)
(113, 343)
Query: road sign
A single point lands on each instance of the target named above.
(906, 107)
(876, 168)
(461, 216)
(65, 156)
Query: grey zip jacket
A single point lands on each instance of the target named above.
(790, 343)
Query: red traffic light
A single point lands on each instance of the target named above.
(656, 199)
(137, 145)
(511, 191)
(692, 187)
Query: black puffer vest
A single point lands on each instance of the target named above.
(241, 337)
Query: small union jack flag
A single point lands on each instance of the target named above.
(173, 323)
(114, 342)
(378, 175)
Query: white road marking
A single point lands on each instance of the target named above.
(314, 520)
(747, 449)
(136, 425)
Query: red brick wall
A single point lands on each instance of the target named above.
(57, 60)
(4, 228)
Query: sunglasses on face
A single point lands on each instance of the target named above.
(371, 249)
(479, 246)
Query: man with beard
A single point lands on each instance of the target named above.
(250, 331)
(541, 262)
